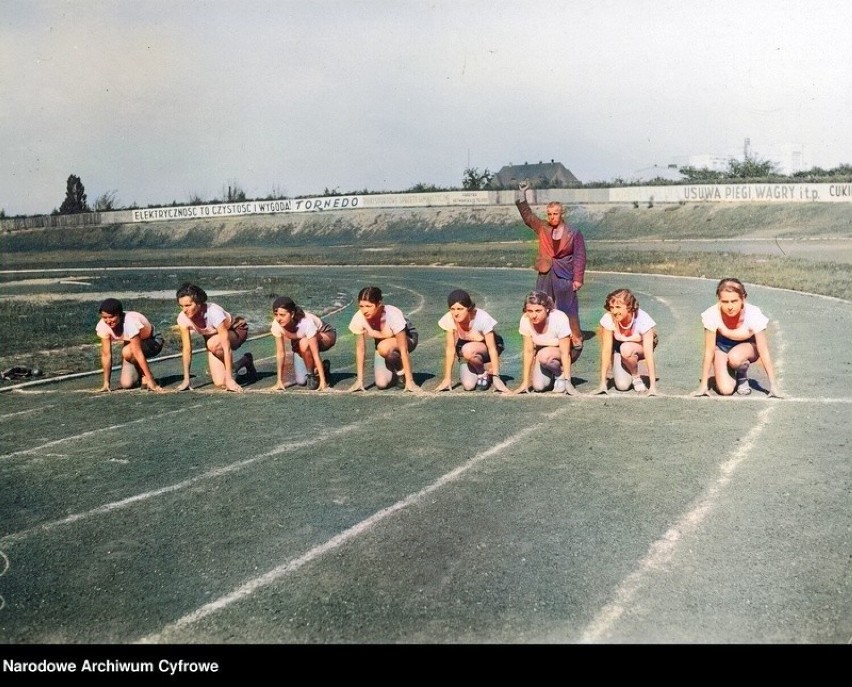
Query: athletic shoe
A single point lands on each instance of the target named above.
(743, 387)
(483, 382)
(559, 385)
(639, 385)
(251, 370)
(312, 381)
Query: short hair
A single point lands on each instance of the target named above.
(373, 294)
(538, 298)
(556, 204)
(731, 284)
(288, 304)
(111, 306)
(196, 293)
(461, 297)
(625, 295)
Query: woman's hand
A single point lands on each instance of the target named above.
(774, 392)
(185, 386)
(602, 389)
(151, 385)
(446, 384)
(231, 385)
(102, 389)
(357, 386)
(523, 389)
(498, 385)
(701, 391)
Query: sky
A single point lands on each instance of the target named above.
(161, 101)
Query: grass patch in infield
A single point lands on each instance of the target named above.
(57, 333)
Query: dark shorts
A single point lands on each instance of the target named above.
(240, 328)
(151, 346)
(410, 334)
(498, 340)
(237, 334)
(616, 344)
(323, 345)
(724, 344)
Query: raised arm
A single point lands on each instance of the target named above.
(527, 215)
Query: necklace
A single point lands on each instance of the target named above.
(629, 325)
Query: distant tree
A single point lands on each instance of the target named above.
(194, 199)
(276, 192)
(106, 201)
(750, 168)
(474, 180)
(75, 197)
(2, 213)
(234, 194)
(843, 170)
(702, 174)
(422, 187)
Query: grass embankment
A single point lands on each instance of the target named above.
(715, 221)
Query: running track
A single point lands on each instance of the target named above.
(388, 517)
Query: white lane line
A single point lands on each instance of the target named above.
(363, 527)
(210, 474)
(421, 299)
(92, 432)
(662, 551)
(26, 412)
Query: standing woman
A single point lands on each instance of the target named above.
(628, 335)
(546, 332)
(308, 336)
(734, 337)
(223, 334)
(470, 338)
(394, 336)
(138, 344)
(561, 261)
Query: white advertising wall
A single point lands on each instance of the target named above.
(692, 193)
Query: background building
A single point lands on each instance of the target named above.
(542, 175)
